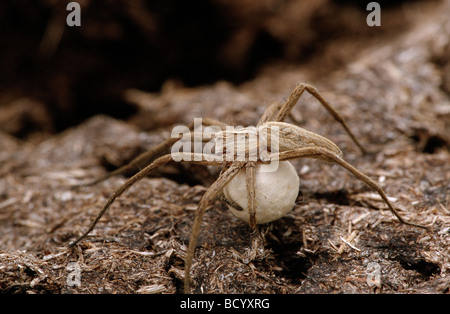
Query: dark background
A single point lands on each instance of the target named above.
(54, 76)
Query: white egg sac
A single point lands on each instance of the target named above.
(276, 192)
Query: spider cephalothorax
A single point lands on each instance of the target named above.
(251, 158)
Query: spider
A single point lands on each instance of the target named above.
(292, 142)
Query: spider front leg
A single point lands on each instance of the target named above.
(286, 108)
(321, 153)
(214, 190)
(161, 161)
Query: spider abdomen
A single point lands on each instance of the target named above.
(275, 192)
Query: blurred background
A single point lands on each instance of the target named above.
(54, 76)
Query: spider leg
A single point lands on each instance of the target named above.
(147, 157)
(161, 161)
(213, 191)
(321, 153)
(270, 113)
(295, 95)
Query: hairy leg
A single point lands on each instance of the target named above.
(321, 153)
(161, 161)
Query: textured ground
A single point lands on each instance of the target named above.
(339, 238)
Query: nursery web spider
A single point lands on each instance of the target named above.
(294, 142)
